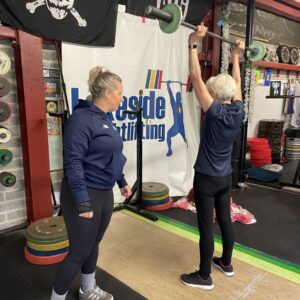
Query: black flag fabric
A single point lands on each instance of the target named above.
(88, 22)
(193, 11)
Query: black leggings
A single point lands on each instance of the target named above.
(210, 192)
(84, 234)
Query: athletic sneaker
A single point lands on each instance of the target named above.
(227, 270)
(195, 280)
(96, 294)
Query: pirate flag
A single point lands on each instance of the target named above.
(193, 11)
(88, 22)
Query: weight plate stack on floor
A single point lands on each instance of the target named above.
(260, 151)
(46, 241)
(272, 130)
(292, 144)
(155, 196)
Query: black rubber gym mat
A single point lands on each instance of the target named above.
(276, 232)
(20, 280)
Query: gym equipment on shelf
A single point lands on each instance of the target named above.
(283, 53)
(170, 19)
(294, 52)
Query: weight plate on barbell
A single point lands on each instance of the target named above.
(4, 86)
(260, 51)
(176, 13)
(5, 135)
(283, 53)
(294, 56)
(4, 63)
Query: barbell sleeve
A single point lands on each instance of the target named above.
(167, 17)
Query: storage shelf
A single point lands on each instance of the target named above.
(281, 96)
(271, 65)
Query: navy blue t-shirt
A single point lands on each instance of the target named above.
(219, 129)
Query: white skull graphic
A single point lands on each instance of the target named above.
(59, 8)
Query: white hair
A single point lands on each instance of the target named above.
(222, 86)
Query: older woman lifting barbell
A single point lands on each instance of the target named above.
(220, 99)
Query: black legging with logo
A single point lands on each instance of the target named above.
(84, 234)
(213, 192)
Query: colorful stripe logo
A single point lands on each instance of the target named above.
(154, 79)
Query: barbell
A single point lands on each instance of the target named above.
(170, 18)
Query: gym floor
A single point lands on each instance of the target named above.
(141, 259)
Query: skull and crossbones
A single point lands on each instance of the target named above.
(58, 8)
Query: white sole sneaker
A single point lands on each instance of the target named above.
(228, 274)
(202, 287)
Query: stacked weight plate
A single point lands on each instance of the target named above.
(273, 131)
(46, 241)
(155, 196)
(292, 144)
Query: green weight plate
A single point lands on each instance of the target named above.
(7, 179)
(155, 197)
(260, 51)
(47, 229)
(176, 12)
(6, 157)
(45, 242)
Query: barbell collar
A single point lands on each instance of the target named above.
(158, 13)
(167, 17)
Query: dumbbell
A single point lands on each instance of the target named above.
(170, 19)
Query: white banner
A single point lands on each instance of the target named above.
(146, 59)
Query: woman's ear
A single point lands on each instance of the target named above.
(107, 93)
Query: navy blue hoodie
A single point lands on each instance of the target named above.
(92, 151)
